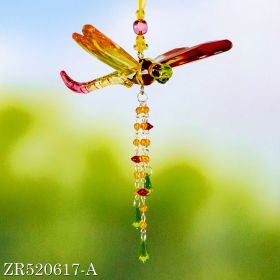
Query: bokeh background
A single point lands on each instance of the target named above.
(66, 184)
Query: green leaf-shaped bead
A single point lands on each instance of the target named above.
(137, 217)
(148, 183)
(144, 256)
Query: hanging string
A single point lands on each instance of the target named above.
(142, 168)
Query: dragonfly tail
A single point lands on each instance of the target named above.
(73, 85)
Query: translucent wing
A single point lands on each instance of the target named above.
(181, 56)
(105, 49)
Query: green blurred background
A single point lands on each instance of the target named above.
(66, 184)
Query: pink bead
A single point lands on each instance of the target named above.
(73, 85)
(140, 27)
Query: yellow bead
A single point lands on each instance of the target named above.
(142, 110)
(145, 142)
(143, 225)
(140, 14)
(140, 44)
(136, 142)
(143, 208)
(145, 159)
(144, 126)
(137, 126)
(146, 109)
(139, 174)
(139, 110)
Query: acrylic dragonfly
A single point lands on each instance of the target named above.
(129, 71)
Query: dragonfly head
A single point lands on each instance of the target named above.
(161, 72)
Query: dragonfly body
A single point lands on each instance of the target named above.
(130, 71)
(150, 71)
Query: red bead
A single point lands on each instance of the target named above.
(140, 27)
(149, 126)
(136, 159)
(143, 192)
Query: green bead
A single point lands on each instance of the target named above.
(165, 73)
(137, 217)
(148, 183)
(144, 256)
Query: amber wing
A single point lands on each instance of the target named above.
(102, 47)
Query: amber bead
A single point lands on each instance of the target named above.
(142, 110)
(146, 109)
(143, 225)
(137, 126)
(143, 192)
(146, 126)
(145, 159)
(143, 208)
(136, 159)
(136, 142)
(145, 142)
(139, 174)
(139, 110)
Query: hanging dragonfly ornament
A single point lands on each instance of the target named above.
(143, 72)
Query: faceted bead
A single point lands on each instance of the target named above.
(144, 256)
(143, 225)
(146, 126)
(142, 110)
(146, 109)
(137, 126)
(149, 126)
(148, 183)
(137, 221)
(140, 45)
(136, 142)
(136, 159)
(145, 159)
(145, 142)
(143, 192)
(139, 174)
(140, 14)
(140, 27)
(143, 208)
(139, 110)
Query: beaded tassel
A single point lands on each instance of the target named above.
(142, 171)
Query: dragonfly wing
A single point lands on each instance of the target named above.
(182, 56)
(98, 44)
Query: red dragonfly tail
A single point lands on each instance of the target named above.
(73, 85)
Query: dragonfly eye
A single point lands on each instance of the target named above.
(155, 73)
(165, 73)
(155, 70)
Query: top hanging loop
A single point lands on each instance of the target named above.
(141, 9)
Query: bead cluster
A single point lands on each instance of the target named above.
(140, 28)
(142, 173)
